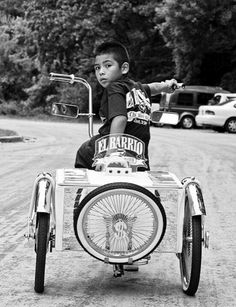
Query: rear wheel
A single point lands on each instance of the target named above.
(41, 245)
(190, 258)
(187, 122)
(230, 125)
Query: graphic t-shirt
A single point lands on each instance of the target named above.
(131, 99)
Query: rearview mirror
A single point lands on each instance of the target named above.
(65, 110)
(169, 118)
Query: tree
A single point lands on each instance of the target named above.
(15, 64)
(10, 9)
(195, 41)
(195, 30)
(66, 33)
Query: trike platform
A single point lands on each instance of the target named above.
(167, 185)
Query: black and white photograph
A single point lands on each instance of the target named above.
(117, 153)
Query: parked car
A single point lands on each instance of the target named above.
(220, 117)
(221, 97)
(155, 106)
(186, 102)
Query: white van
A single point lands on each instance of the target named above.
(221, 97)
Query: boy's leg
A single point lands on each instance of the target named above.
(85, 154)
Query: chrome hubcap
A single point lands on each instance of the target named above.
(187, 122)
(232, 125)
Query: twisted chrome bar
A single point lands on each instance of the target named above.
(72, 79)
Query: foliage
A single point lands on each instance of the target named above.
(15, 64)
(9, 108)
(194, 29)
(192, 40)
(11, 9)
(66, 34)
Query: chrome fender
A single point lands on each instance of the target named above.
(42, 200)
(43, 195)
(194, 193)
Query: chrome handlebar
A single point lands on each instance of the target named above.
(72, 79)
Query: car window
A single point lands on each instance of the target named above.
(217, 98)
(227, 101)
(185, 99)
(230, 98)
(203, 98)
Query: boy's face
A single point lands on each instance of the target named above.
(107, 69)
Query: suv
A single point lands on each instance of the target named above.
(186, 102)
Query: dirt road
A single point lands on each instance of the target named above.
(75, 278)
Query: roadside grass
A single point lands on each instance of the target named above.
(43, 117)
(4, 132)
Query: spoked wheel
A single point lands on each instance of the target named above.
(190, 258)
(41, 245)
(119, 222)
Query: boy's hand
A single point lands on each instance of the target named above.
(99, 167)
(171, 85)
(111, 161)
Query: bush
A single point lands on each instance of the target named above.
(10, 108)
(38, 93)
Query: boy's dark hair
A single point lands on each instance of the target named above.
(118, 50)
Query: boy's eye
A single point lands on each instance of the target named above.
(96, 68)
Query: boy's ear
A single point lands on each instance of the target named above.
(125, 68)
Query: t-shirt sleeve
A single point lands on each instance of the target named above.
(147, 89)
(116, 100)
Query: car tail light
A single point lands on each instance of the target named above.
(208, 112)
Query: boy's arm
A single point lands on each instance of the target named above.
(157, 87)
(118, 124)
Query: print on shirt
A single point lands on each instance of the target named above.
(127, 147)
(138, 107)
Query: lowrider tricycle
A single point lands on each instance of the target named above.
(118, 215)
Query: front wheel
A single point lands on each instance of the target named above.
(41, 245)
(190, 258)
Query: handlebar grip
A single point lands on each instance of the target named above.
(178, 86)
(53, 76)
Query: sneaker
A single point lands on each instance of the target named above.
(131, 267)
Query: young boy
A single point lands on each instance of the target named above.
(125, 105)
